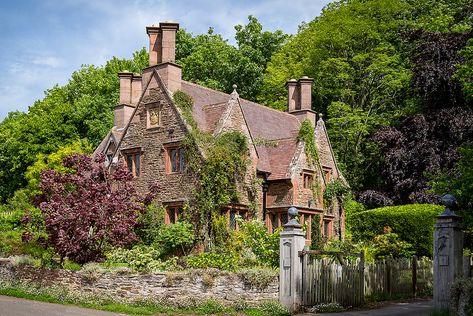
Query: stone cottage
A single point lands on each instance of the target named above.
(149, 129)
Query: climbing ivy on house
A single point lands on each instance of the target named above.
(315, 233)
(307, 135)
(219, 163)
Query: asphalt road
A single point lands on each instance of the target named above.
(12, 306)
(415, 308)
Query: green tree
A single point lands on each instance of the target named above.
(209, 60)
(82, 109)
(361, 79)
(53, 161)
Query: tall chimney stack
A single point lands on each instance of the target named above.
(154, 34)
(162, 55)
(124, 110)
(299, 99)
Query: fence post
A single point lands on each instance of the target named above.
(290, 272)
(414, 275)
(362, 278)
(388, 275)
(448, 248)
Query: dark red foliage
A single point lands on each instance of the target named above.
(89, 209)
(434, 57)
(422, 144)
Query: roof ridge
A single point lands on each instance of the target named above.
(227, 94)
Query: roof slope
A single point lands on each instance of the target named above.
(274, 132)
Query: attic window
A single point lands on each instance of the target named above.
(327, 174)
(153, 116)
(308, 180)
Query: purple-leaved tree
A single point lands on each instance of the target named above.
(89, 209)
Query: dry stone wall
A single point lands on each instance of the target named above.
(175, 287)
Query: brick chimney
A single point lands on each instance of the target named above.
(125, 107)
(299, 99)
(162, 54)
(136, 89)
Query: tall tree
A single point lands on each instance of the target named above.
(209, 60)
(81, 109)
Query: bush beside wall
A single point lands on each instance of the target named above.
(413, 223)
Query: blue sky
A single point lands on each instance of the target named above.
(43, 42)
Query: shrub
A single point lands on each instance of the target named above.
(139, 258)
(274, 308)
(327, 308)
(352, 207)
(254, 235)
(257, 278)
(83, 214)
(22, 260)
(176, 238)
(413, 223)
(149, 224)
(388, 245)
(461, 297)
(213, 260)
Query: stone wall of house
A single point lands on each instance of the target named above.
(174, 187)
(280, 194)
(174, 287)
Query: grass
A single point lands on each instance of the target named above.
(147, 307)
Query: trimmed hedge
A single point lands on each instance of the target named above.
(413, 223)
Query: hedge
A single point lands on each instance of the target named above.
(413, 223)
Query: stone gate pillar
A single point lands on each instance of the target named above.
(448, 252)
(290, 264)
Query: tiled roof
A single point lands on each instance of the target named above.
(274, 132)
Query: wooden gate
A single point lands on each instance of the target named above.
(330, 277)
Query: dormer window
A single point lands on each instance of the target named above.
(308, 180)
(327, 174)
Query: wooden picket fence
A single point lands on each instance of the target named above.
(335, 279)
(401, 276)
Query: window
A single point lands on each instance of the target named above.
(308, 180)
(133, 163)
(327, 229)
(327, 174)
(277, 220)
(173, 212)
(175, 159)
(232, 217)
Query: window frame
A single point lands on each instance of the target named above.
(308, 180)
(180, 159)
(134, 154)
(327, 174)
(177, 209)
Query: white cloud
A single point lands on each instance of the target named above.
(91, 32)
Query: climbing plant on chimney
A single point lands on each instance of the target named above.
(89, 209)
